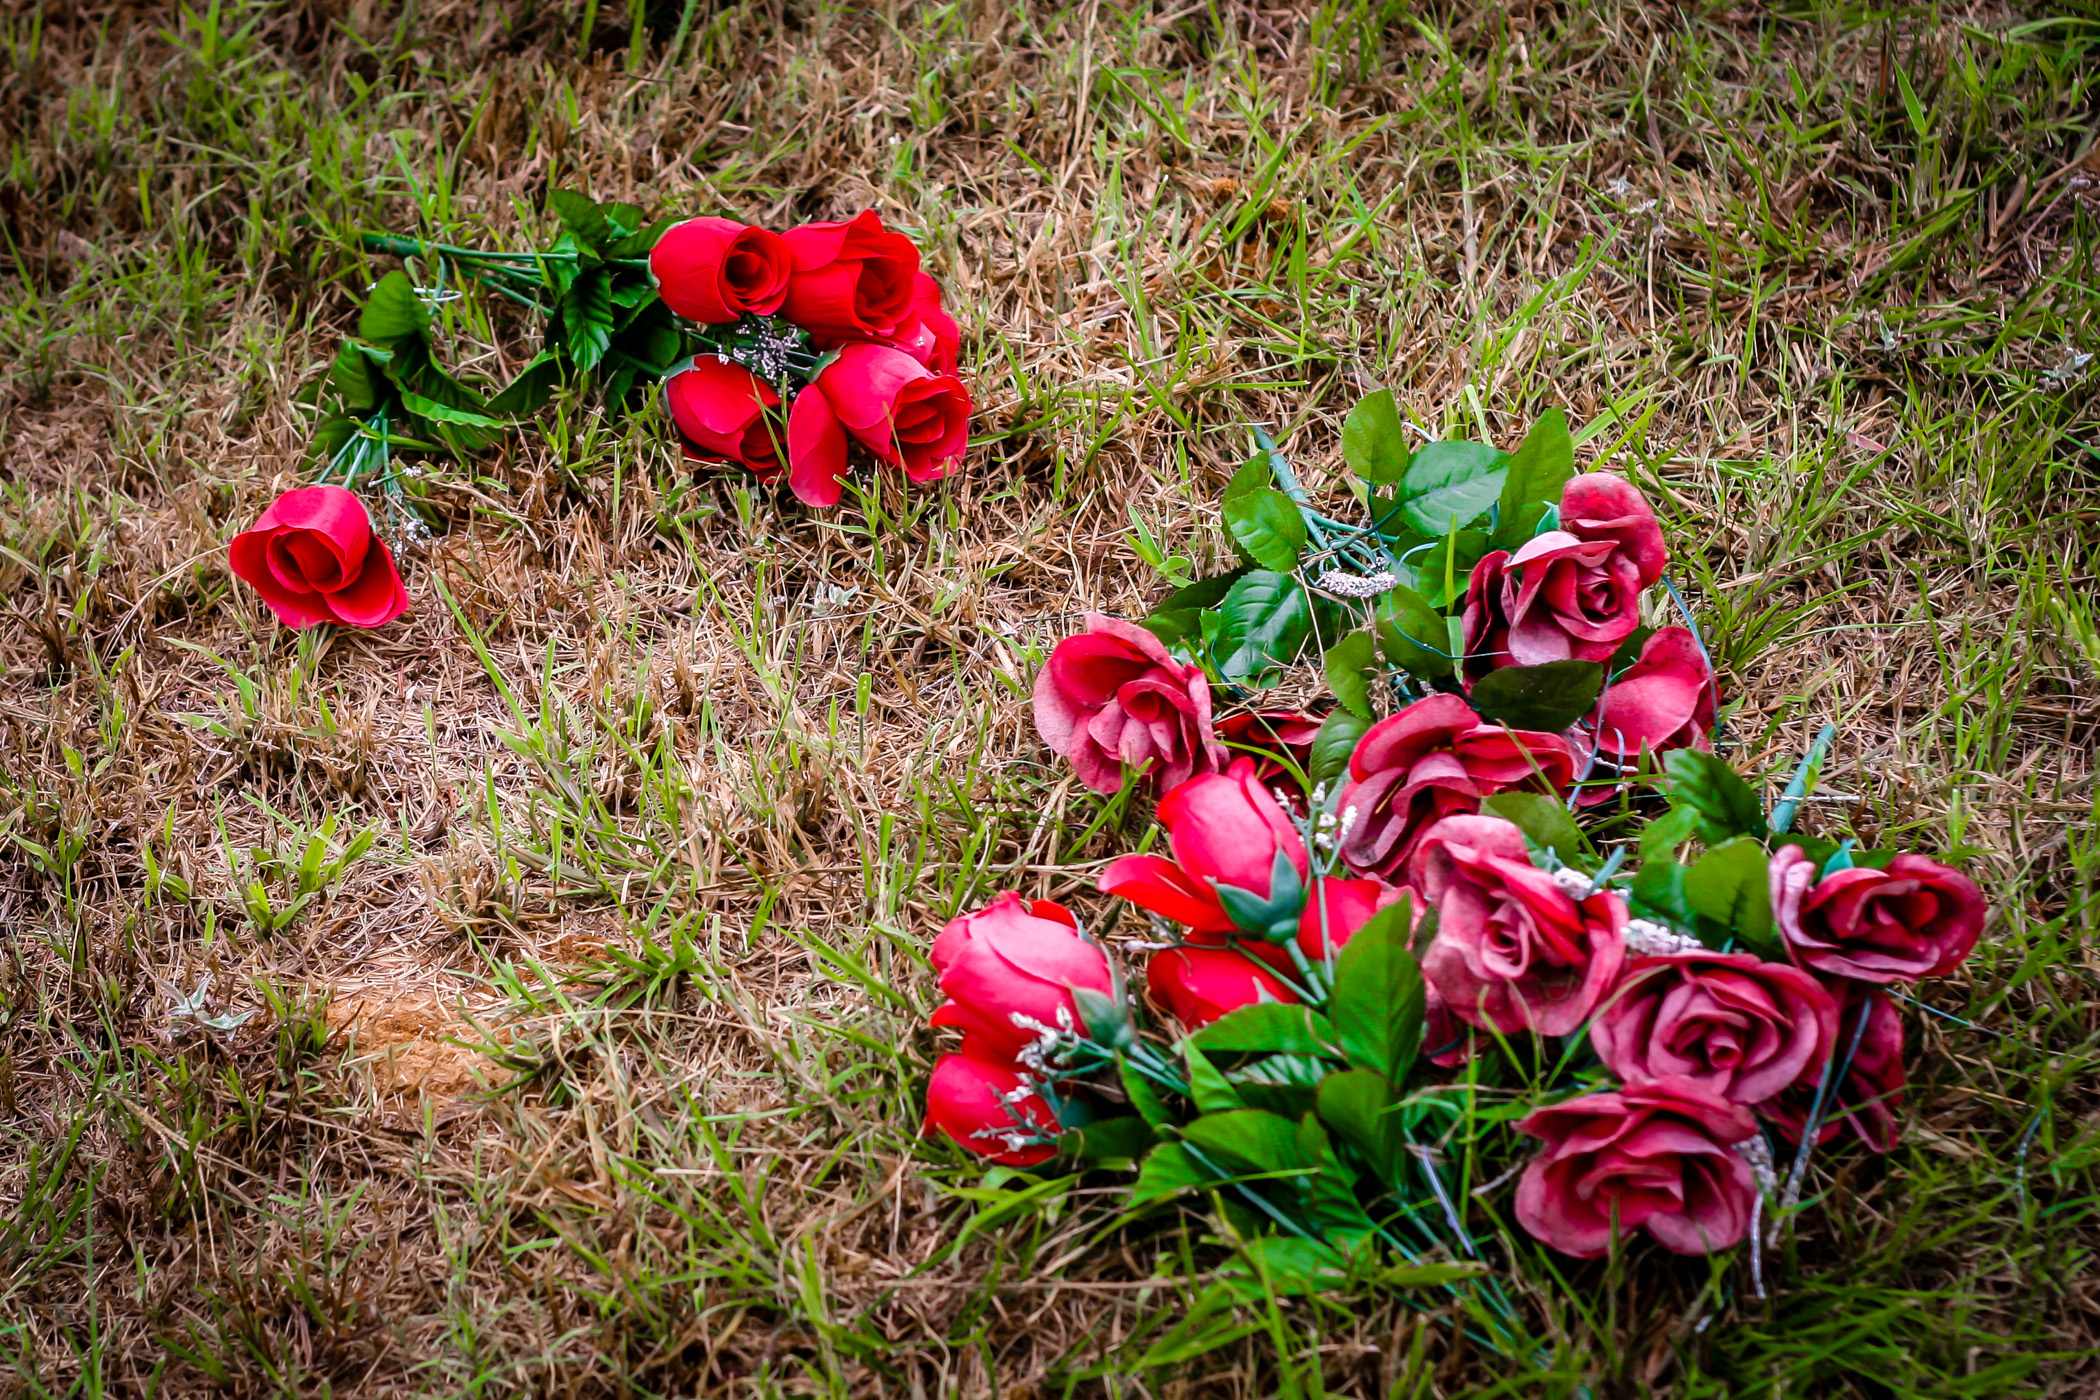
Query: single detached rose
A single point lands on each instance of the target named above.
(931, 337)
(1916, 918)
(1009, 970)
(314, 558)
(1198, 985)
(1224, 829)
(851, 281)
(987, 1108)
(1657, 1155)
(1513, 950)
(1570, 592)
(716, 270)
(1864, 1100)
(1277, 740)
(1111, 696)
(1739, 1026)
(1431, 760)
(1665, 700)
(898, 409)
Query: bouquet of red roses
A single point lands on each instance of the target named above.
(1498, 913)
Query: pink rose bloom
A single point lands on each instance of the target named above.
(1223, 827)
(1665, 700)
(1726, 1021)
(1434, 759)
(1513, 950)
(1570, 592)
(1012, 966)
(1111, 696)
(1865, 1101)
(1198, 985)
(1916, 918)
(1657, 1154)
(987, 1108)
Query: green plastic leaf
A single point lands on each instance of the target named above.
(1144, 1095)
(1537, 472)
(530, 390)
(444, 413)
(1282, 1266)
(393, 313)
(1354, 1102)
(642, 242)
(1264, 622)
(1110, 1140)
(585, 221)
(1374, 443)
(1377, 1004)
(1352, 665)
(1168, 1171)
(1546, 825)
(1658, 892)
(1548, 698)
(1256, 475)
(1337, 739)
(1246, 1140)
(1176, 621)
(1208, 1086)
(1731, 884)
(586, 318)
(1330, 1191)
(1272, 1027)
(1280, 1083)
(358, 381)
(1449, 485)
(1411, 634)
(1661, 838)
(1267, 525)
(1727, 806)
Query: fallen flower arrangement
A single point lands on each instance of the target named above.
(1498, 931)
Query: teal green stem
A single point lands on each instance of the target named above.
(1790, 801)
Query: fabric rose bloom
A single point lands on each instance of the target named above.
(1915, 918)
(1569, 592)
(1111, 696)
(1224, 829)
(1729, 1022)
(987, 1108)
(851, 281)
(932, 338)
(1009, 969)
(1865, 1100)
(897, 408)
(1665, 700)
(314, 558)
(1431, 760)
(717, 270)
(721, 411)
(1657, 1154)
(1198, 985)
(1513, 949)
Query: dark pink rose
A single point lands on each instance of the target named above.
(1222, 827)
(1270, 738)
(1009, 970)
(1570, 592)
(1431, 760)
(314, 558)
(1198, 985)
(1111, 696)
(1739, 1026)
(716, 270)
(1665, 700)
(1916, 918)
(987, 1108)
(1656, 1154)
(854, 280)
(931, 337)
(1513, 950)
(1865, 1101)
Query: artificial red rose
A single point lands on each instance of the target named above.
(314, 558)
(1224, 829)
(900, 410)
(987, 1108)
(931, 337)
(716, 270)
(851, 281)
(1569, 592)
(1865, 1100)
(1198, 985)
(1657, 1154)
(1111, 696)
(719, 408)
(1270, 738)
(1665, 700)
(1741, 1027)
(1431, 760)
(1513, 950)
(1343, 905)
(1009, 969)
(1915, 918)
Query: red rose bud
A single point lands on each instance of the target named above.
(1865, 1099)
(1224, 828)
(1269, 738)
(931, 337)
(1657, 1155)
(1569, 592)
(1434, 759)
(989, 1109)
(716, 270)
(314, 558)
(1916, 918)
(720, 410)
(851, 281)
(1513, 949)
(1665, 700)
(900, 410)
(1009, 970)
(1743, 1028)
(1111, 696)
(1198, 985)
